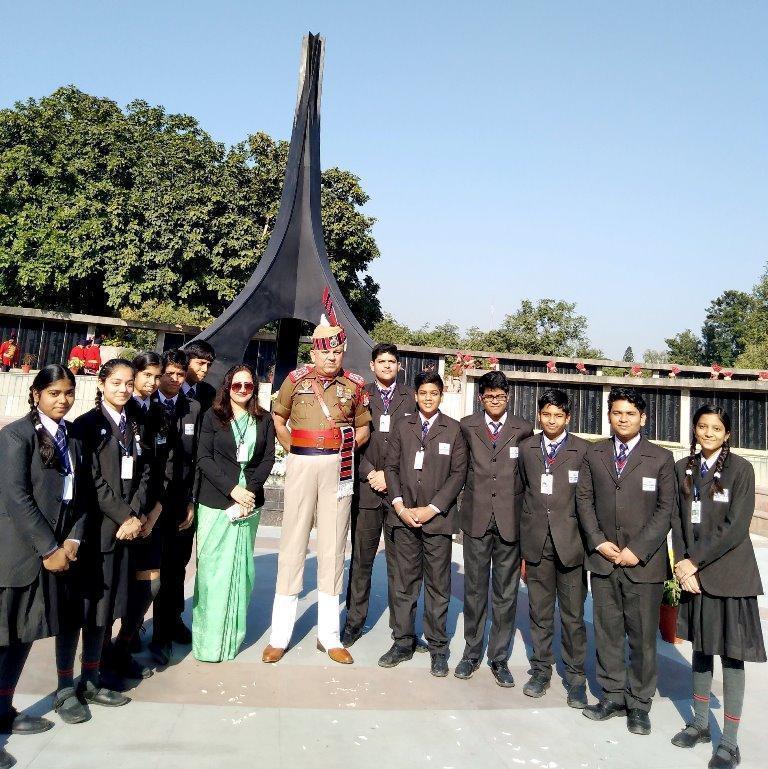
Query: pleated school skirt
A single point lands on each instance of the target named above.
(727, 627)
(105, 581)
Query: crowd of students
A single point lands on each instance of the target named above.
(98, 519)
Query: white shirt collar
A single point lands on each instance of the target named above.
(630, 445)
(142, 401)
(165, 400)
(50, 425)
(559, 439)
(431, 420)
(383, 389)
(113, 415)
(712, 460)
(500, 421)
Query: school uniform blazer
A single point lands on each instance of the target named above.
(178, 454)
(30, 502)
(442, 476)
(494, 486)
(204, 395)
(152, 427)
(112, 500)
(720, 545)
(623, 512)
(554, 512)
(218, 471)
(374, 453)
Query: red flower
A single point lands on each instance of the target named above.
(762, 375)
(727, 374)
(581, 368)
(551, 367)
(636, 369)
(717, 368)
(674, 370)
(493, 360)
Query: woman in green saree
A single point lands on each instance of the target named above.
(235, 456)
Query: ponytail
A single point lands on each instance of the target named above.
(44, 378)
(688, 482)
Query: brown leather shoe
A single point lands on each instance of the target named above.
(340, 655)
(272, 654)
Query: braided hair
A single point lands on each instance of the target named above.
(45, 378)
(104, 372)
(716, 487)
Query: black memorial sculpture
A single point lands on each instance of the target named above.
(287, 286)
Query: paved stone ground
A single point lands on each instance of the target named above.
(308, 712)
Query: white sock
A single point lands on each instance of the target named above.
(328, 620)
(283, 619)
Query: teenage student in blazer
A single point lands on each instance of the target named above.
(625, 496)
(715, 563)
(235, 456)
(146, 548)
(490, 519)
(182, 420)
(200, 356)
(120, 481)
(424, 471)
(553, 548)
(389, 401)
(42, 520)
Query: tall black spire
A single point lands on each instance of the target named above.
(288, 283)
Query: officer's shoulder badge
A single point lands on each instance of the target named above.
(299, 373)
(356, 378)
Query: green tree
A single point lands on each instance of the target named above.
(685, 349)
(655, 356)
(104, 210)
(629, 356)
(389, 330)
(725, 327)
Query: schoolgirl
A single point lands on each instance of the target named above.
(716, 566)
(120, 475)
(42, 521)
(145, 550)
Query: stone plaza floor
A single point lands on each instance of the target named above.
(309, 712)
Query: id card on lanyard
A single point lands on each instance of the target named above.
(696, 505)
(242, 449)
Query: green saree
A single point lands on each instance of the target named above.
(225, 571)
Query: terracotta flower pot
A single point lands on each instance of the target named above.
(668, 624)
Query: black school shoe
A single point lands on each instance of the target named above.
(690, 736)
(439, 666)
(638, 721)
(577, 696)
(69, 707)
(91, 694)
(395, 656)
(465, 668)
(725, 757)
(350, 636)
(6, 759)
(21, 723)
(537, 685)
(420, 646)
(603, 710)
(502, 675)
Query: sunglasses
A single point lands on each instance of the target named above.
(242, 387)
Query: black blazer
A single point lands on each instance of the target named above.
(204, 395)
(154, 429)
(112, 500)
(440, 480)
(494, 486)
(554, 512)
(177, 454)
(33, 521)
(218, 471)
(720, 545)
(622, 512)
(374, 453)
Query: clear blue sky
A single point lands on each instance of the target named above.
(614, 154)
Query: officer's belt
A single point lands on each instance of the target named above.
(320, 441)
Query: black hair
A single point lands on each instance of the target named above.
(198, 348)
(222, 406)
(104, 373)
(385, 348)
(724, 417)
(493, 380)
(629, 394)
(175, 357)
(428, 377)
(146, 359)
(82, 342)
(555, 397)
(45, 378)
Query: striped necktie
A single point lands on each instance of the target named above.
(122, 424)
(704, 469)
(494, 430)
(424, 430)
(191, 392)
(621, 458)
(170, 408)
(386, 397)
(61, 447)
(552, 452)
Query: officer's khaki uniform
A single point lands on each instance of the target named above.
(312, 489)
